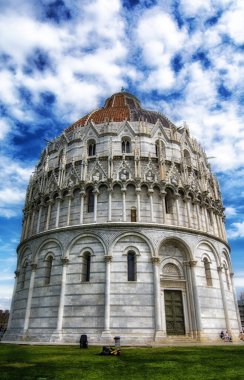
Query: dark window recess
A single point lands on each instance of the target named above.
(87, 265)
(49, 263)
(126, 148)
(90, 206)
(131, 262)
(92, 148)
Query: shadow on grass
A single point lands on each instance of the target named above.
(171, 363)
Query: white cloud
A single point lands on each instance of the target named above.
(232, 22)
(158, 44)
(236, 230)
(13, 182)
(4, 128)
(230, 211)
(6, 291)
(239, 279)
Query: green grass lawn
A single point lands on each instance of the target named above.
(71, 363)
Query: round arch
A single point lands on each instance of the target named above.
(143, 237)
(44, 243)
(172, 261)
(182, 244)
(77, 238)
(21, 254)
(213, 249)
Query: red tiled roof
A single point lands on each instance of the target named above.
(119, 107)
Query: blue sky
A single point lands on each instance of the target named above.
(60, 59)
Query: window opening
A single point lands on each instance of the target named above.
(91, 148)
(90, 204)
(133, 215)
(169, 202)
(126, 147)
(131, 261)
(49, 263)
(207, 271)
(87, 267)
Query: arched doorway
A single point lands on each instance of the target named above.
(174, 282)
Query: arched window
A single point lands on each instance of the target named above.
(85, 267)
(207, 271)
(187, 157)
(126, 145)
(60, 157)
(48, 269)
(131, 266)
(133, 214)
(91, 148)
(169, 201)
(210, 217)
(23, 274)
(157, 148)
(90, 200)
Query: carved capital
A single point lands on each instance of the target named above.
(108, 258)
(192, 263)
(33, 266)
(65, 261)
(219, 269)
(156, 260)
(17, 272)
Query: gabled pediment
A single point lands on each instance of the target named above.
(126, 129)
(159, 131)
(90, 131)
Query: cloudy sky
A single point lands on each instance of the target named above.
(60, 59)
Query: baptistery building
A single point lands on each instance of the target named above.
(123, 235)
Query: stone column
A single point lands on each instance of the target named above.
(227, 321)
(123, 190)
(157, 301)
(27, 225)
(188, 211)
(58, 333)
(235, 302)
(17, 273)
(223, 228)
(138, 199)
(150, 193)
(218, 226)
(39, 219)
(106, 335)
(163, 193)
(177, 210)
(57, 213)
(96, 193)
(69, 208)
(192, 265)
(23, 228)
(198, 216)
(206, 218)
(109, 205)
(82, 196)
(32, 221)
(215, 226)
(48, 214)
(29, 299)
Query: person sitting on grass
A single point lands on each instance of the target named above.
(241, 335)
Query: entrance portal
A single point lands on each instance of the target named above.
(174, 314)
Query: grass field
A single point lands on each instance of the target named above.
(70, 363)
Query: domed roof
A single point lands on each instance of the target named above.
(120, 107)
